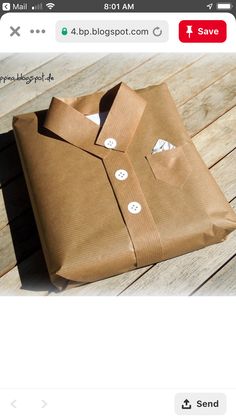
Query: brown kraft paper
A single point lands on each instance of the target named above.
(93, 224)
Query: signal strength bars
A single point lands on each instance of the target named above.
(37, 7)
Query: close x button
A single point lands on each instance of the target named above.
(202, 31)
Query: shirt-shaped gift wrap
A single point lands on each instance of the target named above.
(104, 202)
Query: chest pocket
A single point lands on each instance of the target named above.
(171, 166)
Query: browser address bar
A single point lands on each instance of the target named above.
(112, 31)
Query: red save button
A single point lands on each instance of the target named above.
(202, 31)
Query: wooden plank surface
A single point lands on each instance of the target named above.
(157, 70)
(18, 240)
(223, 283)
(92, 74)
(28, 279)
(62, 67)
(206, 101)
(200, 75)
(184, 274)
(3, 56)
(209, 105)
(24, 62)
(14, 200)
(218, 139)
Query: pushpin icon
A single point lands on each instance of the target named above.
(189, 30)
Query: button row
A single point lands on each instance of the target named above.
(133, 207)
(122, 174)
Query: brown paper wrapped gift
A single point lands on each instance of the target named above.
(103, 201)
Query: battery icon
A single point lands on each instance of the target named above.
(224, 6)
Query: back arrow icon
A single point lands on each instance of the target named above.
(13, 404)
(44, 404)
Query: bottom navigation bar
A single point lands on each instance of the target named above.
(115, 403)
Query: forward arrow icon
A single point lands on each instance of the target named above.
(44, 404)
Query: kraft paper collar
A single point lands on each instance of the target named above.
(125, 108)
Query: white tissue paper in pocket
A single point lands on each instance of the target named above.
(162, 145)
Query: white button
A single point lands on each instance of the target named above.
(121, 174)
(110, 143)
(134, 207)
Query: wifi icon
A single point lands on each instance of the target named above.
(50, 6)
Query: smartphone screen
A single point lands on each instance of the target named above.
(117, 209)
